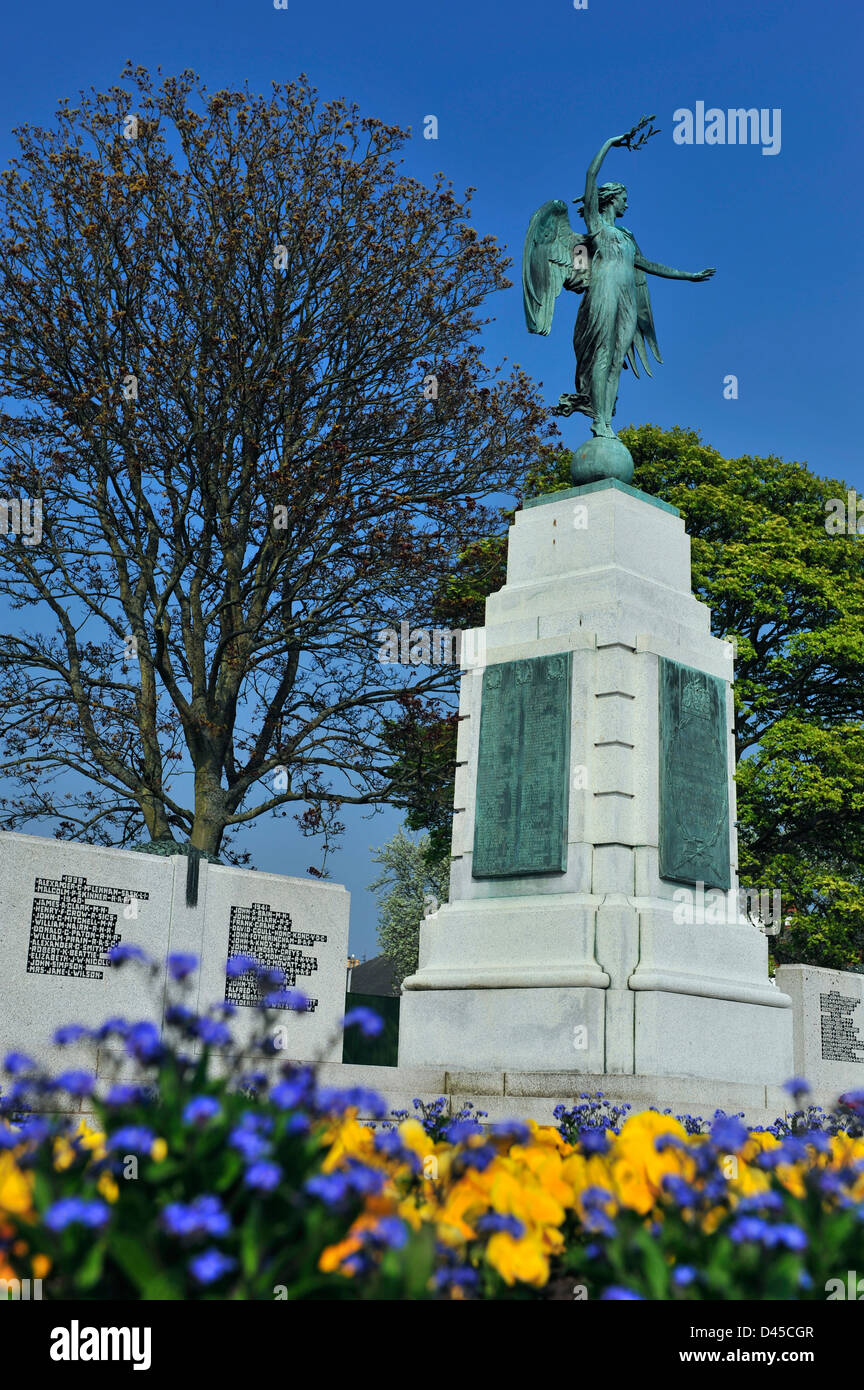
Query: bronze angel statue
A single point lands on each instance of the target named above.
(604, 264)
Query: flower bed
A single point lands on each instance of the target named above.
(254, 1181)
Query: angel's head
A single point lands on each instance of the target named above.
(612, 195)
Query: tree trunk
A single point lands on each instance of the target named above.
(155, 818)
(208, 826)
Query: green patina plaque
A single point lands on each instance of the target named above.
(523, 768)
(694, 787)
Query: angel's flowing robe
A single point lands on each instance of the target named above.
(607, 315)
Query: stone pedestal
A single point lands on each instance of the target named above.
(602, 965)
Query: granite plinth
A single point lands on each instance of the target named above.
(511, 966)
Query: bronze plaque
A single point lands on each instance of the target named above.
(523, 768)
(694, 787)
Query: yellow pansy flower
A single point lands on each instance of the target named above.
(460, 1208)
(638, 1169)
(547, 1167)
(712, 1219)
(791, 1175)
(16, 1188)
(549, 1136)
(521, 1259)
(107, 1186)
(439, 1162)
(331, 1258)
(92, 1141)
(758, 1143)
(64, 1154)
(348, 1139)
(414, 1213)
(415, 1138)
(845, 1150)
(529, 1203)
(580, 1172)
(749, 1181)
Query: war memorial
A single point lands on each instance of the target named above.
(594, 816)
(595, 1079)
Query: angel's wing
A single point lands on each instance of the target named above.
(644, 319)
(554, 256)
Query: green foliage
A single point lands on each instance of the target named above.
(409, 879)
(724, 1267)
(482, 569)
(791, 596)
(423, 744)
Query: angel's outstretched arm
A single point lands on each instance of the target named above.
(669, 273)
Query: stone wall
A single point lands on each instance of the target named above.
(63, 906)
(828, 1030)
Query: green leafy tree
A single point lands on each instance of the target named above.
(411, 884)
(791, 598)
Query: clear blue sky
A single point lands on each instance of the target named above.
(524, 94)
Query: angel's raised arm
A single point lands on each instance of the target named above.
(590, 203)
(634, 140)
